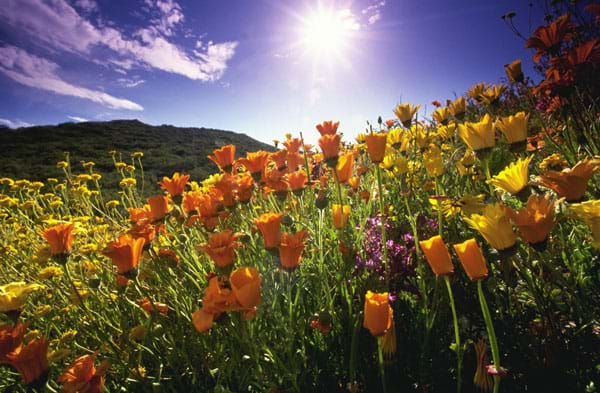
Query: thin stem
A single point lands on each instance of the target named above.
(456, 335)
(383, 221)
(381, 364)
(491, 333)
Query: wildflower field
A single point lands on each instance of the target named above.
(456, 250)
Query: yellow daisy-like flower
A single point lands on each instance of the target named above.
(514, 128)
(127, 182)
(432, 159)
(479, 135)
(492, 94)
(14, 295)
(405, 113)
(476, 90)
(494, 226)
(553, 162)
(589, 212)
(466, 205)
(50, 272)
(514, 177)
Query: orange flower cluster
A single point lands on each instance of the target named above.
(240, 293)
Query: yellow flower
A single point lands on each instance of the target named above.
(432, 159)
(14, 295)
(62, 164)
(58, 355)
(88, 164)
(466, 205)
(50, 272)
(479, 135)
(127, 182)
(589, 212)
(441, 115)
(514, 72)
(112, 204)
(492, 94)
(458, 107)
(6, 181)
(494, 226)
(397, 138)
(405, 113)
(553, 162)
(137, 154)
(514, 128)
(138, 333)
(476, 90)
(120, 165)
(514, 177)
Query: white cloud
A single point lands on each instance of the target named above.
(14, 123)
(39, 73)
(87, 5)
(77, 119)
(373, 12)
(59, 26)
(127, 82)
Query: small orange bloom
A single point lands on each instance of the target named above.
(245, 187)
(340, 215)
(547, 39)
(570, 183)
(10, 338)
(376, 144)
(279, 158)
(221, 247)
(328, 127)
(472, 259)
(31, 360)
(60, 238)
(144, 230)
(217, 299)
(139, 213)
(344, 167)
(378, 314)
(291, 248)
(269, 225)
(297, 180)
(152, 307)
(255, 161)
(294, 161)
(125, 253)
(330, 145)
(437, 255)
(224, 157)
(82, 376)
(159, 207)
(536, 220)
(174, 185)
(292, 145)
(245, 284)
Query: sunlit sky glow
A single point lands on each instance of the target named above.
(259, 67)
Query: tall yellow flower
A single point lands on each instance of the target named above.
(494, 226)
(478, 135)
(14, 295)
(514, 127)
(492, 94)
(514, 177)
(405, 113)
(432, 159)
(589, 212)
(458, 107)
(514, 72)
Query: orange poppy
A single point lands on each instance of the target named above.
(548, 39)
(245, 187)
(378, 314)
(221, 247)
(227, 185)
(376, 143)
(255, 162)
(297, 180)
(269, 225)
(279, 158)
(328, 127)
(437, 255)
(159, 207)
(224, 157)
(125, 253)
(471, 259)
(82, 376)
(277, 182)
(340, 215)
(245, 284)
(536, 219)
(354, 182)
(139, 213)
(294, 161)
(60, 238)
(217, 299)
(330, 145)
(291, 248)
(31, 360)
(175, 185)
(344, 167)
(292, 145)
(10, 338)
(570, 183)
(144, 230)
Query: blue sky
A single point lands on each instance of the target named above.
(259, 67)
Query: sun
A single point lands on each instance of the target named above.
(327, 31)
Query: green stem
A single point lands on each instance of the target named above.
(456, 335)
(383, 232)
(381, 364)
(491, 333)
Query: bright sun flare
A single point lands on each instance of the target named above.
(326, 31)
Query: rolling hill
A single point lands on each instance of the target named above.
(32, 152)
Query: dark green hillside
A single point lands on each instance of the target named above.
(33, 152)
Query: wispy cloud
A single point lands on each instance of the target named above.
(59, 26)
(127, 82)
(77, 119)
(14, 123)
(373, 12)
(33, 71)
